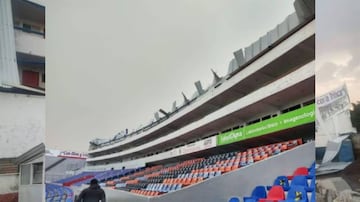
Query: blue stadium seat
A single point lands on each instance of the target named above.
(206, 175)
(257, 193)
(211, 174)
(282, 181)
(173, 187)
(300, 180)
(313, 196)
(297, 193)
(313, 165)
(234, 199)
(179, 186)
(312, 170)
(313, 183)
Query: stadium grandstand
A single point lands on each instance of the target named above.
(249, 127)
(22, 100)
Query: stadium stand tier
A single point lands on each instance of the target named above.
(253, 127)
(85, 177)
(155, 181)
(158, 180)
(184, 181)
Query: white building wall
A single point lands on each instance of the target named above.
(22, 123)
(8, 66)
(32, 193)
(9, 183)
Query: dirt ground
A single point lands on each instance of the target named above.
(342, 186)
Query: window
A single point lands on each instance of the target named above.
(309, 102)
(36, 28)
(17, 23)
(25, 174)
(27, 26)
(291, 108)
(37, 173)
(266, 117)
(253, 121)
(30, 78)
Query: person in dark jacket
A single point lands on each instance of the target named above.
(93, 193)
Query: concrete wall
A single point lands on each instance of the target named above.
(65, 168)
(22, 123)
(31, 193)
(9, 183)
(8, 66)
(115, 195)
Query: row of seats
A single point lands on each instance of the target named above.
(165, 178)
(146, 193)
(196, 173)
(142, 172)
(108, 175)
(300, 186)
(162, 188)
(55, 193)
(173, 177)
(75, 177)
(156, 177)
(85, 177)
(184, 181)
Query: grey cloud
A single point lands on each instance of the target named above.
(111, 65)
(337, 36)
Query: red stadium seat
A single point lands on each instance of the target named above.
(300, 171)
(276, 193)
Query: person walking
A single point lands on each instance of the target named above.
(93, 193)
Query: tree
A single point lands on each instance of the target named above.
(355, 115)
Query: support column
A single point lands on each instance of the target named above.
(9, 73)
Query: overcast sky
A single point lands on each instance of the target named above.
(338, 46)
(111, 64)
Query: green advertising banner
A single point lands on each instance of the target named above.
(288, 120)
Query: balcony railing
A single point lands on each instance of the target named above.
(29, 31)
(29, 42)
